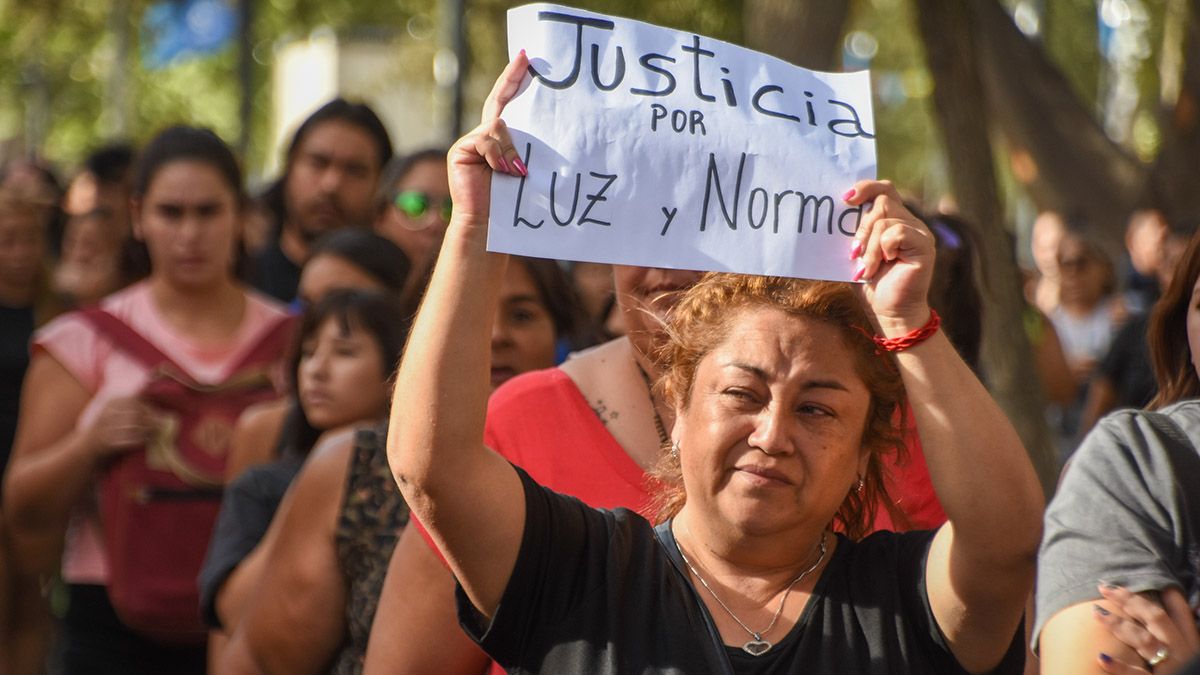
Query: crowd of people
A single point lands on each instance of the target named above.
(352, 440)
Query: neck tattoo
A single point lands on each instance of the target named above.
(663, 438)
(757, 646)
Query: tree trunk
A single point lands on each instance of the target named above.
(807, 33)
(959, 104)
(1178, 162)
(1076, 168)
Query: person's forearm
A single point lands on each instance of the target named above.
(40, 490)
(440, 399)
(977, 463)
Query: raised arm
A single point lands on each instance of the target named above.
(981, 565)
(469, 498)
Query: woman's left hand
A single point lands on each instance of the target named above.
(895, 253)
(1165, 635)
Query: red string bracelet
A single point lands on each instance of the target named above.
(909, 339)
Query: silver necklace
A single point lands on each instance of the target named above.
(756, 646)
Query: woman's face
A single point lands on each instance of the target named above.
(1082, 276)
(1193, 326)
(89, 267)
(22, 246)
(327, 272)
(772, 435)
(645, 295)
(340, 376)
(523, 331)
(418, 222)
(190, 219)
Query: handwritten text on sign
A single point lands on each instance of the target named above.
(660, 148)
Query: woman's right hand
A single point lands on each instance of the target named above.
(485, 149)
(123, 424)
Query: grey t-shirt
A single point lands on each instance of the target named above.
(1126, 512)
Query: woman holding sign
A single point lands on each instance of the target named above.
(783, 407)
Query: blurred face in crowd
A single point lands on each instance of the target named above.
(326, 272)
(595, 284)
(1083, 275)
(340, 377)
(89, 267)
(646, 295)
(1048, 230)
(87, 197)
(1144, 239)
(417, 217)
(189, 218)
(22, 245)
(523, 337)
(331, 179)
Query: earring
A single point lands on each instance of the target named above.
(675, 449)
(861, 485)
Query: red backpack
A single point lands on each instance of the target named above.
(158, 504)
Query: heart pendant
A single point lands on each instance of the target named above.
(756, 647)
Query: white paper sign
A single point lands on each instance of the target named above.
(660, 148)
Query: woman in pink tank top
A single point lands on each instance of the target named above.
(84, 408)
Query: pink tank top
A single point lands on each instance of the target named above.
(107, 373)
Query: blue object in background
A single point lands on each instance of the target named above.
(173, 29)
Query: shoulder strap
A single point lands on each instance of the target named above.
(126, 338)
(271, 345)
(1167, 426)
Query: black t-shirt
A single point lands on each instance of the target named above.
(275, 274)
(16, 327)
(1127, 364)
(597, 591)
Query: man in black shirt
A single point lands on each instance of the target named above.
(333, 165)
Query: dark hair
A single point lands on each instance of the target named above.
(376, 313)
(377, 256)
(110, 164)
(559, 295)
(953, 292)
(339, 109)
(356, 114)
(175, 144)
(182, 143)
(398, 168)
(1168, 339)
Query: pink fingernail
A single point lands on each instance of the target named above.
(504, 164)
(856, 250)
(520, 166)
(523, 53)
(848, 195)
(858, 272)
